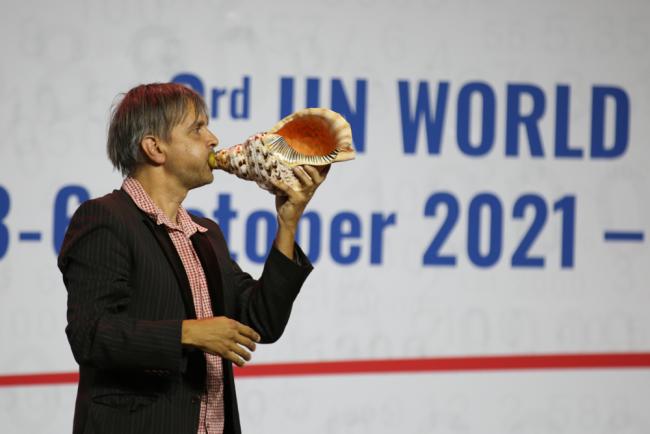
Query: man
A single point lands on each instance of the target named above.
(157, 310)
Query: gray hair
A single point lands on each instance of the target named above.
(149, 109)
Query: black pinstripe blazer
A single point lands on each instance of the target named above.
(127, 296)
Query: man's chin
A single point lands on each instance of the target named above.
(200, 182)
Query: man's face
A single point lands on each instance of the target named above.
(190, 145)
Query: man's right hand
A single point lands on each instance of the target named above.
(222, 336)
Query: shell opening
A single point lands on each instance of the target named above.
(309, 135)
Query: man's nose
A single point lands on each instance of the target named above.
(214, 140)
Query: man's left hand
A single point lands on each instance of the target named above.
(291, 204)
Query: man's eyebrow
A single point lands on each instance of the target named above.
(199, 122)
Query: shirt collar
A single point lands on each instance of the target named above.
(184, 222)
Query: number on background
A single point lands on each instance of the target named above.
(488, 206)
(495, 239)
(567, 206)
(520, 258)
(62, 214)
(4, 231)
(432, 255)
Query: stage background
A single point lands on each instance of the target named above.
(499, 142)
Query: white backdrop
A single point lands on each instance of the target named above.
(422, 250)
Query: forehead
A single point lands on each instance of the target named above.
(193, 114)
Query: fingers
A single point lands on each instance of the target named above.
(311, 176)
(234, 357)
(303, 176)
(238, 355)
(317, 173)
(244, 337)
(248, 332)
(228, 338)
(281, 186)
(243, 340)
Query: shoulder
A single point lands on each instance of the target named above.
(113, 212)
(113, 209)
(114, 203)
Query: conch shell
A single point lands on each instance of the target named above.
(314, 136)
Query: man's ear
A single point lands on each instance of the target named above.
(151, 148)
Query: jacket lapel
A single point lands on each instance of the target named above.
(174, 260)
(210, 264)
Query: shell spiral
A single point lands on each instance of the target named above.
(253, 160)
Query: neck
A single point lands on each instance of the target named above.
(165, 193)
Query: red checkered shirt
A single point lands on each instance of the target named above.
(211, 418)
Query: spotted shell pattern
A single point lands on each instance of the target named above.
(312, 136)
(254, 161)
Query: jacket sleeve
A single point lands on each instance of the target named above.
(95, 262)
(265, 304)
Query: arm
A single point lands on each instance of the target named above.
(262, 306)
(292, 203)
(257, 310)
(96, 266)
(266, 304)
